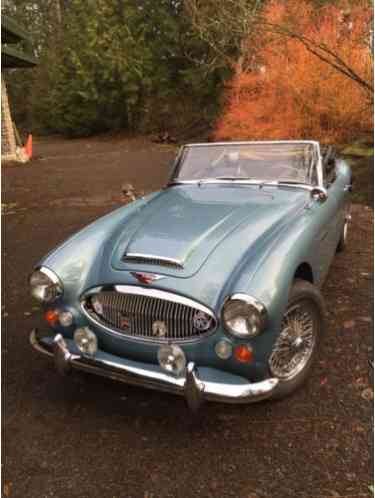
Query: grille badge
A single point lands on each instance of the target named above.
(146, 278)
(125, 322)
(202, 321)
(159, 329)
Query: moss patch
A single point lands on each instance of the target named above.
(358, 150)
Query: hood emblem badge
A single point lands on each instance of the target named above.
(146, 278)
(159, 329)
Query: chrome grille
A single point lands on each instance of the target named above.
(135, 315)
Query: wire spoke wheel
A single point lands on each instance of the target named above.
(295, 345)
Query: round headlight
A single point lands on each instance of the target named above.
(244, 316)
(45, 285)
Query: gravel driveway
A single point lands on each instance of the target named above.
(90, 437)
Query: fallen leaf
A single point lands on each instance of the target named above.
(359, 428)
(349, 324)
(7, 488)
(368, 394)
(334, 493)
(366, 319)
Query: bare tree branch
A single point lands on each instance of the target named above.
(323, 52)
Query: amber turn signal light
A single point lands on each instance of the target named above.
(243, 353)
(51, 317)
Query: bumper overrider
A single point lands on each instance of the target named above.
(196, 386)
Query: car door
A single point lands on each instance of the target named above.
(338, 184)
(326, 218)
(335, 211)
(327, 214)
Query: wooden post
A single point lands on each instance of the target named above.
(8, 139)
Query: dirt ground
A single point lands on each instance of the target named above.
(90, 437)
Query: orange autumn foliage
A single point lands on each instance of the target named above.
(290, 93)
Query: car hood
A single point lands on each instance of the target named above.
(186, 224)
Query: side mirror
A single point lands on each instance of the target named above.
(319, 194)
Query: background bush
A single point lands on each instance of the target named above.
(250, 68)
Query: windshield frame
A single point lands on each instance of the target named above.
(317, 165)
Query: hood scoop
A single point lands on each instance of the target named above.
(149, 259)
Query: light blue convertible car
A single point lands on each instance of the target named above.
(208, 288)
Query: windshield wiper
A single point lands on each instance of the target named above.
(290, 182)
(247, 180)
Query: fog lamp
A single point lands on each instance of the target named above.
(52, 317)
(65, 318)
(243, 353)
(223, 349)
(172, 359)
(86, 341)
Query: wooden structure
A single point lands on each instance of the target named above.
(12, 57)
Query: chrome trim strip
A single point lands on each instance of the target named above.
(164, 295)
(137, 255)
(36, 344)
(50, 274)
(192, 386)
(248, 300)
(204, 181)
(319, 168)
(313, 189)
(252, 142)
(150, 292)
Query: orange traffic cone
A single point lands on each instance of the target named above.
(29, 146)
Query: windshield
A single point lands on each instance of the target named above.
(268, 162)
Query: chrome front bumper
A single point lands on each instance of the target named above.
(193, 386)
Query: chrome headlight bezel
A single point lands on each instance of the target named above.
(251, 316)
(45, 285)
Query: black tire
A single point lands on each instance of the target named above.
(343, 238)
(304, 294)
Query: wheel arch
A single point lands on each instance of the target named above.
(305, 272)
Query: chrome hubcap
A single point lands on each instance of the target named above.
(295, 344)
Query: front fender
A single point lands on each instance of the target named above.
(79, 260)
(270, 277)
